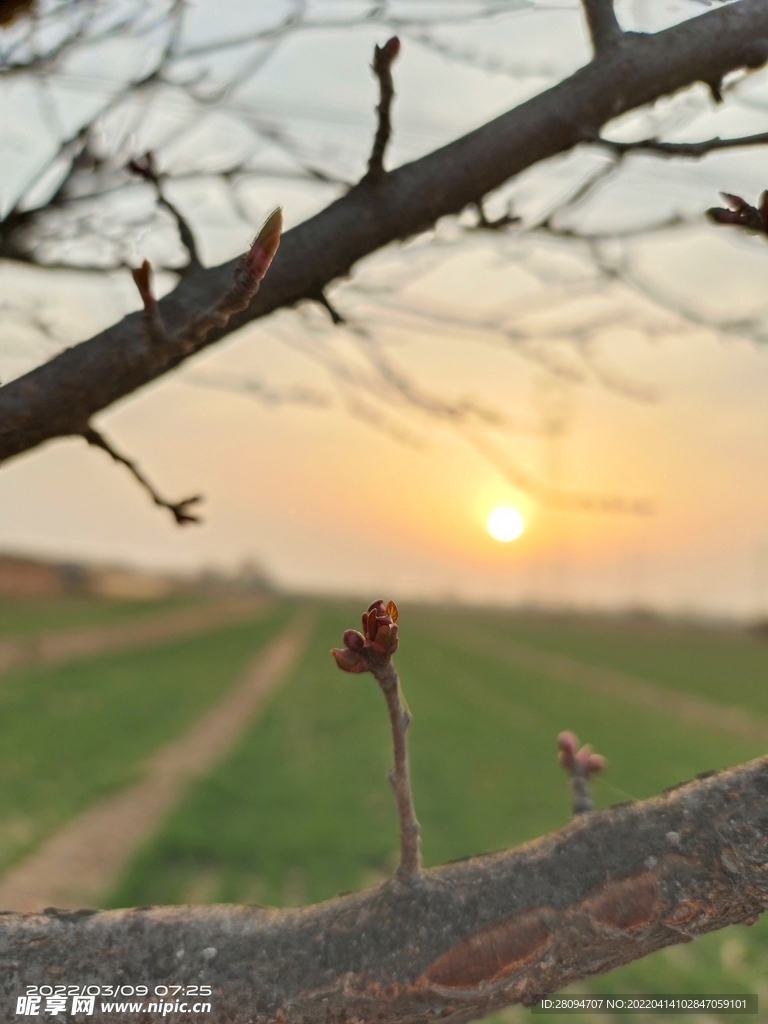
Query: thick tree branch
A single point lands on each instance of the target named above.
(58, 398)
(458, 942)
(179, 510)
(604, 29)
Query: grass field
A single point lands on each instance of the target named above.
(301, 809)
(71, 733)
(27, 615)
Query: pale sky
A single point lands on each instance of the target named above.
(629, 367)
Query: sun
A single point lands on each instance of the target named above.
(505, 523)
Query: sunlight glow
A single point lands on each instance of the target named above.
(505, 523)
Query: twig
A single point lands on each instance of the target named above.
(581, 764)
(741, 214)
(494, 225)
(147, 170)
(382, 68)
(604, 29)
(179, 509)
(322, 299)
(371, 651)
(690, 149)
(142, 277)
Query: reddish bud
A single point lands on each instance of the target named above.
(350, 661)
(142, 277)
(375, 645)
(353, 640)
(578, 760)
(567, 742)
(740, 212)
(265, 245)
(390, 49)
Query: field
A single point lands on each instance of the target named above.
(300, 809)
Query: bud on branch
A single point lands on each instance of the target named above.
(257, 260)
(363, 652)
(581, 764)
(739, 212)
(371, 651)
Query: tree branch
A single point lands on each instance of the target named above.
(146, 169)
(465, 939)
(604, 29)
(371, 651)
(179, 509)
(56, 399)
(689, 149)
(382, 68)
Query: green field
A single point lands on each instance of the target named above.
(22, 616)
(300, 809)
(72, 733)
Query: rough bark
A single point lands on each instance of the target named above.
(59, 398)
(453, 944)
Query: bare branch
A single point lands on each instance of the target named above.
(382, 68)
(371, 651)
(689, 149)
(147, 170)
(604, 28)
(322, 299)
(179, 510)
(461, 941)
(581, 764)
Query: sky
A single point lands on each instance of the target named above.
(608, 351)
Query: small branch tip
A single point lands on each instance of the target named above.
(180, 510)
(383, 56)
(581, 764)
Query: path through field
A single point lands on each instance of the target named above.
(686, 707)
(78, 865)
(58, 645)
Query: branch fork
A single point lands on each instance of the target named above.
(371, 651)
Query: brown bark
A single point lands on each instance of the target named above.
(456, 942)
(58, 398)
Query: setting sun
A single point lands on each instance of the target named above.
(505, 523)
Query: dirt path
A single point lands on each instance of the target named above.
(78, 865)
(82, 642)
(685, 707)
